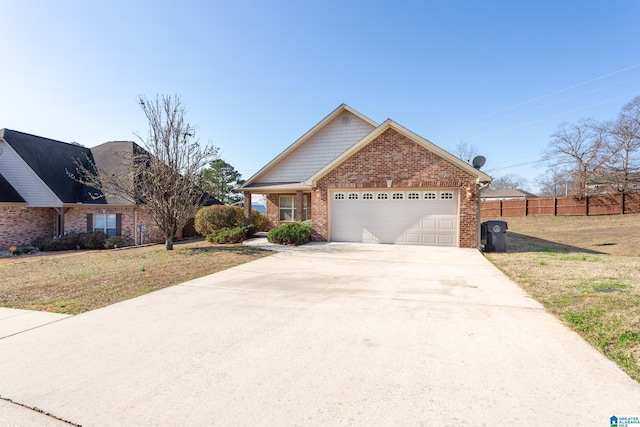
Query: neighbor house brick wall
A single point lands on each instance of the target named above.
(75, 219)
(409, 165)
(21, 226)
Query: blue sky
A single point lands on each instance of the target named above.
(255, 76)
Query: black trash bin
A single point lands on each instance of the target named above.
(496, 236)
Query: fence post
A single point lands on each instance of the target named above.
(622, 203)
(555, 206)
(586, 205)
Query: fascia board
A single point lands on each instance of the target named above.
(321, 124)
(278, 188)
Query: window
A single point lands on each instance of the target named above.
(397, 196)
(352, 196)
(105, 223)
(383, 196)
(305, 207)
(286, 208)
(367, 196)
(338, 196)
(413, 196)
(446, 195)
(429, 195)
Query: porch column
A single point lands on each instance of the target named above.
(299, 206)
(247, 207)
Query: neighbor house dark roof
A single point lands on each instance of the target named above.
(50, 160)
(8, 194)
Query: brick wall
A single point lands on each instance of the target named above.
(393, 156)
(21, 226)
(75, 219)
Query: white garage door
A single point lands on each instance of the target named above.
(415, 217)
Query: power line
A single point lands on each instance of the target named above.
(546, 105)
(555, 92)
(552, 116)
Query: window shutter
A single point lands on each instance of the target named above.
(89, 222)
(118, 224)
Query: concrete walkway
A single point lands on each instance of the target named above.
(324, 334)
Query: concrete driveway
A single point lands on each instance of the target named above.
(325, 334)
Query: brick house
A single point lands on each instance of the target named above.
(39, 200)
(360, 181)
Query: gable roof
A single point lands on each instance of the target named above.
(49, 160)
(258, 182)
(480, 176)
(8, 194)
(324, 155)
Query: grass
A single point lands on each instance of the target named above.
(79, 281)
(586, 271)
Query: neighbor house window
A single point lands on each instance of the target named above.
(105, 223)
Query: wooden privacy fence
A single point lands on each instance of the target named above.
(611, 204)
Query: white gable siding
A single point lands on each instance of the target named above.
(327, 144)
(25, 180)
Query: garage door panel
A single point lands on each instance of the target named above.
(397, 219)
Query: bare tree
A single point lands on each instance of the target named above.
(465, 151)
(163, 177)
(509, 181)
(579, 148)
(556, 182)
(623, 149)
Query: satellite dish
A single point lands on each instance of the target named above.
(478, 162)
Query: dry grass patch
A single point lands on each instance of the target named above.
(585, 270)
(75, 282)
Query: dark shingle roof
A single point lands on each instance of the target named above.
(50, 160)
(8, 194)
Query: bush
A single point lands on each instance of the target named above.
(114, 242)
(231, 235)
(259, 220)
(73, 240)
(92, 240)
(217, 217)
(291, 233)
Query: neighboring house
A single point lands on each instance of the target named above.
(488, 194)
(39, 200)
(254, 206)
(360, 181)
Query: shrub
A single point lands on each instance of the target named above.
(259, 220)
(291, 233)
(92, 240)
(114, 242)
(73, 240)
(231, 235)
(217, 217)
